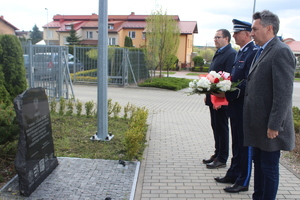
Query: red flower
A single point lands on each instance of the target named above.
(216, 80)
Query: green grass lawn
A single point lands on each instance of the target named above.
(71, 136)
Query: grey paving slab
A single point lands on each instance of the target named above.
(76, 178)
(178, 138)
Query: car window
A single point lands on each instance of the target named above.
(41, 58)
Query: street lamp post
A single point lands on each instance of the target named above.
(254, 6)
(47, 32)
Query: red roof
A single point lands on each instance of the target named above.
(119, 21)
(6, 22)
(294, 45)
(188, 27)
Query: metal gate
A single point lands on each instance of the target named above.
(55, 68)
(48, 67)
(124, 66)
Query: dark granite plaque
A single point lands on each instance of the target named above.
(35, 158)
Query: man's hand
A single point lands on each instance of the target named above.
(272, 134)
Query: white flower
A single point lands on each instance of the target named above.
(215, 74)
(203, 83)
(224, 85)
(192, 84)
(225, 75)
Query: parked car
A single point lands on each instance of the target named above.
(46, 65)
(79, 65)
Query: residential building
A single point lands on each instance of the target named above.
(6, 27)
(23, 34)
(119, 26)
(294, 45)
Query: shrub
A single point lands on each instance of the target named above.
(128, 42)
(62, 106)
(89, 106)
(53, 104)
(70, 106)
(9, 127)
(78, 108)
(170, 83)
(296, 117)
(205, 69)
(116, 109)
(135, 138)
(198, 60)
(12, 65)
(4, 95)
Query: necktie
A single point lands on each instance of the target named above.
(258, 53)
(238, 55)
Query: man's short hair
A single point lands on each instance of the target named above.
(225, 34)
(268, 18)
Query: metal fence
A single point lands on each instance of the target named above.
(47, 67)
(56, 68)
(125, 66)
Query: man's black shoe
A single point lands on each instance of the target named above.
(215, 165)
(224, 180)
(210, 160)
(236, 188)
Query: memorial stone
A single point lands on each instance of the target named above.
(35, 158)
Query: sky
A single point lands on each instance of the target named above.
(210, 15)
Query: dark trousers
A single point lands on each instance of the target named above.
(241, 161)
(219, 124)
(266, 174)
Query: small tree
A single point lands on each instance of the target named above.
(73, 39)
(171, 63)
(128, 42)
(4, 95)
(162, 39)
(199, 62)
(12, 64)
(36, 35)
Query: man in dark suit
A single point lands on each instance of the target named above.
(222, 61)
(239, 172)
(268, 120)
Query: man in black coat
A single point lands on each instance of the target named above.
(222, 61)
(239, 172)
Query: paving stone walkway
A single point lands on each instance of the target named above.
(179, 137)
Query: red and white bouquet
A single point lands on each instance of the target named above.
(213, 82)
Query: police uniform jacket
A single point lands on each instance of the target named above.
(239, 73)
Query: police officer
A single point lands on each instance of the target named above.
(239, 172)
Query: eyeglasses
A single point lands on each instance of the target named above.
(217, 37)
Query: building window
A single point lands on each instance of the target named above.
(65, 40)
(49, 34)
(131, 34)
(144, 36)
(68, 27)
(111, 41)
(89, 34)
(110, 26)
